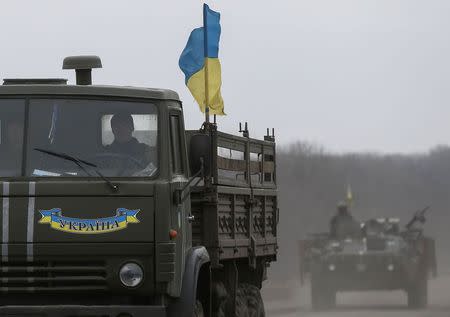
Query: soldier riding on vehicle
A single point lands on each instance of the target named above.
(343, 225)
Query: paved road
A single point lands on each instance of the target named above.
(291, 300)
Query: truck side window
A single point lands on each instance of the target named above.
(176, 149)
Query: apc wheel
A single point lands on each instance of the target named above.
(322, 296)
(198, 310)
(418, 293)
(248, 303)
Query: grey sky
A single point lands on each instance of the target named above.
(348, 74)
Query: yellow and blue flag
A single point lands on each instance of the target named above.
(200, 64)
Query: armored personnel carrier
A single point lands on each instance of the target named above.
(382, 257)
(109, 207)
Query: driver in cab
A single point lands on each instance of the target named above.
(122, 126)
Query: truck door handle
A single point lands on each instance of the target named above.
(190, 218)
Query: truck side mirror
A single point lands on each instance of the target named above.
(200, 150)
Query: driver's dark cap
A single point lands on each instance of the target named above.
(122, 118)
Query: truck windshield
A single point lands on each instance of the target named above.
(119, 138)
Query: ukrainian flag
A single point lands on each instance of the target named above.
(200, 64)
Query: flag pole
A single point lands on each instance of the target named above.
(206, 91)
(207, 178)
(205, 34)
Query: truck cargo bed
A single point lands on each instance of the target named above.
(236, 216)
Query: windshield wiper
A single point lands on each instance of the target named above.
(79, 163)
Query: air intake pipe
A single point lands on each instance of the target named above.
(83, 67)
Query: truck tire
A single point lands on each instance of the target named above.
(248, 303)
(418, 293)
(249, 297)
(198, 310)
(323, 297)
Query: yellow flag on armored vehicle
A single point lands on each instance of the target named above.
(349, 195)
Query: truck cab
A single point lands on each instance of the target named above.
(86, 174)
(96, 188)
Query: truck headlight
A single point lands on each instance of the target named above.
(131, 274)
(332, 267)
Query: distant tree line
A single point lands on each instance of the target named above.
(312, 181)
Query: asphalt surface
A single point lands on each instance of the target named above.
(289, 299)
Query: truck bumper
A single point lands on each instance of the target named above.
(82, 311)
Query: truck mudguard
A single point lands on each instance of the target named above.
(184, 305)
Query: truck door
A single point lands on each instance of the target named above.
(178, 165)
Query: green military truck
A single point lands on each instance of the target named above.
(110, 208)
